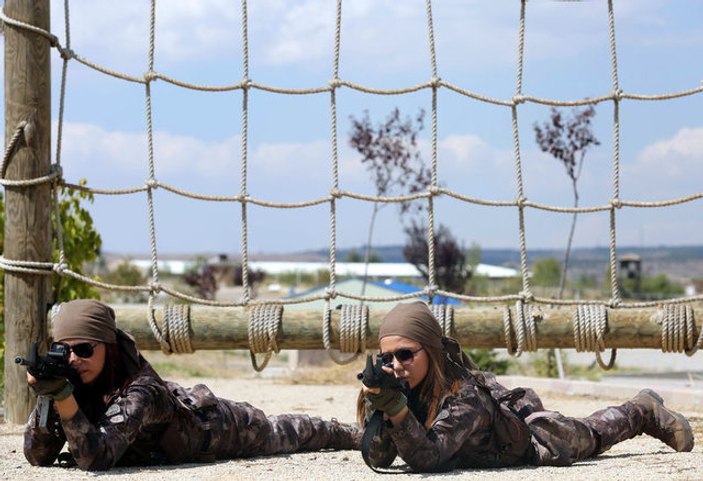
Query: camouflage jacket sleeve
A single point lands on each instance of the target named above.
(43, 445)
(100, 447)
(463, 423)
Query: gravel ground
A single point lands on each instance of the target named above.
(642, 458)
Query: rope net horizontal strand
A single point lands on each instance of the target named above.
(521, 328)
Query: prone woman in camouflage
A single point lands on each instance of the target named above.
(453, 416)
(118, 411)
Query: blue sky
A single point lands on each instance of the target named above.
(384, 44)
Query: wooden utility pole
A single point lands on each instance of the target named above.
(27, 208)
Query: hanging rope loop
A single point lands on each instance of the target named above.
(264, 326)
(444, 314)
(353, 326)
(678, 329)
(177, 329)
(590, 327)
(521, 332)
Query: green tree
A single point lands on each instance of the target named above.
(546, 272)
(125, 274)
(81, 243)
(355, 256)
(653, 287)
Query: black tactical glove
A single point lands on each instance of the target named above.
(390, 402)
(56, 388)
(391, 399)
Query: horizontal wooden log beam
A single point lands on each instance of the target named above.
(227, 328)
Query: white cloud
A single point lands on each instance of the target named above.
(668, 168)
(685, 148)
(283, 160)
(87, 148)
(466, 151)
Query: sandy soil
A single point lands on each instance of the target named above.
(642, 458)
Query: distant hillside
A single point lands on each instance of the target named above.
(684, 262)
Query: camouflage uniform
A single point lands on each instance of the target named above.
(153, 421)
(464, 434)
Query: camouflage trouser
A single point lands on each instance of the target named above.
(561, 441)
(241, 430)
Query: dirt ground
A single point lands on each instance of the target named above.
(642, 458)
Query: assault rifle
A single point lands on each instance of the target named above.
(373, 376)
(54, 364)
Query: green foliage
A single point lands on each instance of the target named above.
(546, 272)
(356, 256)
(652, 287)
(125, 274)
(487, 360)
(304, 279)
(472, 257)
(81, 243)
(545, 363)
(586, 281)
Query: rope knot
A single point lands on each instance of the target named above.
(434, 190)
(518, 99)
(152, 183)
(435, 82)
(521, 201)
(617, 94)
(335, 83)
(150, 76)
(60, 268)
(336, 193)
(614, 303)
(526, 296)
(246, 83)
(330, 293)
(431, 289)
(57, 170)
(617, 203)
(66, 53)
(154, 287)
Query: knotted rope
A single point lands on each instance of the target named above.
(353, 326)
(678, 329)
(444, 314)
(175, 333)
(590, 326)
(177, 329)
(521, 334)
(264, 324)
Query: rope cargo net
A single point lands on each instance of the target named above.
(590, 318)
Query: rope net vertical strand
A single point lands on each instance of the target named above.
(677, 331)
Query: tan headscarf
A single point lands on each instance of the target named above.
(85, 319)
(412, 320)
(415, 321)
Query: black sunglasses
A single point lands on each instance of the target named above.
(404, 356)
(83, 350)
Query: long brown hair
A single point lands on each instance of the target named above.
(433, 390)
(93, 398)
